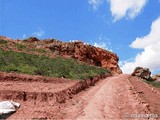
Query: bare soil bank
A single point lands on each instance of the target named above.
(40, 97)
(150, 94)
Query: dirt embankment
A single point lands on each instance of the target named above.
(150, 94)
(40, 93)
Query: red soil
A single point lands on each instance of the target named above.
(39, 96)
(111, 98)
(148, 93)
(115, 97)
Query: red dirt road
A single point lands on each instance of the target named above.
(113, 98)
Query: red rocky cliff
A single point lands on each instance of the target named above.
(87, 53)
(77, 50)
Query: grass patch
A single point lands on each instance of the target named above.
(153, 83)
(11, 61)
(39, 50)
(20, 47)
(23, 47)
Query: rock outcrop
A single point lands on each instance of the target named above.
(156, 77)
(141, 72)
(76, 50)
(87, 53)
(31, 39)
(4, 38)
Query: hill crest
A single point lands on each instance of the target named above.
(53, 48)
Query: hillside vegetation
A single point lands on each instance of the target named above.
(23, 47)
(11, 61)
(153, 83)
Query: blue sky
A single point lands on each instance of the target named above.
(122, 26)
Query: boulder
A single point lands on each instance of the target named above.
(32, 39)
(156, 77)
(7, 107)
(141, 72)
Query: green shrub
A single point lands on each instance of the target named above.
(40, 65)
(153, 83)
(20, 47)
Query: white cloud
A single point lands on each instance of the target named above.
(150, 56)
(126, 8)
(39, 33)
(105, 19)
(103, 43)
(95, 3)
(73, 40)
(152, 38)
(121, 63)
(24, 36)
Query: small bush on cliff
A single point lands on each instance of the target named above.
(11, 61)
